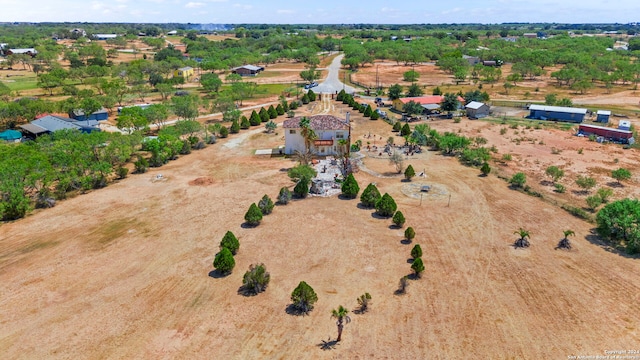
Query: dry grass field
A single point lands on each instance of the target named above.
(124, 272)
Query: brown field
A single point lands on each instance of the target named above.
(123, 272)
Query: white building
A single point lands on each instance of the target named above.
(329, 130)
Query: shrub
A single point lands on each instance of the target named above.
(397, 126)
(303, 297)
(235, 127)
(593, 202)
(621, 174)
(224, 132)
(256, 279)
(604, 194)
(305, 99)
(273, 113)
(141, 165)
(398, 219)
(254, 119)
(264, 115)
(559, 188)
(302, 171)
(122, 172)
(409, 233)
(363, 302)
(416, 252)
(554, 172)
(294, 104)
(367, 112)
(244, 123)
(417, 267)
(284, 196)
(503, 131)
(186, 147)
(409, 172)
(375, 115)
(253, 215)
(224, 261)
(301, 190)
(585, 182)
(485, 169)
(312, 95)
(406, 130)
(230, 241)
(386, 206)
(507, 157)
(350, 188)
(518, 180)
(370, 196)
(266, 205)
(280, 110)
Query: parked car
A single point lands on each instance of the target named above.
(311, 85)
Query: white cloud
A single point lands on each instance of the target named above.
(285, 11)
(243, 6)
(193, 5)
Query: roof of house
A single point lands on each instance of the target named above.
(186, 68)
(561, 109)
(105, 36)
(79, 112)
(34, 129)
(318, 122)
(24, 51)
(249, 67)
(55, 123)
(587, 126)
(603, 112)
(422, 100)
(474, 105)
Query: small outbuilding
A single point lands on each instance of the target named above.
(185, 72)
(10, 135)
(603, 116)
(79, 115)
(624, 125)
(557, 113)
(247, 70)
(477, 110)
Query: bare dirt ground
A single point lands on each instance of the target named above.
(124, 272)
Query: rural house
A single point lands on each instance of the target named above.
(559, 113)
(50, 123)
(185, 72)
(247, 70)
(329, 130)
(430, 103)
(97, 115)
(29, 51)
(477, 110)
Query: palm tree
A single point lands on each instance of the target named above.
(307, 133)
(341, 314)
(565, 243)
(522, 241)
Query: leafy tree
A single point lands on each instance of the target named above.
(450, 102)
(266, 205)
(416, 252)
(270, 126)
(367, 111)
(566, 102)
(409, 172)
(253, 215)
(397, 126)
(307, 132)
(409, 233)
(398, 219)
(350, 188)
(395, 92)
(374, 115)
(586, 182)
(186, 107)
(341, 314)
(554, 172)
(264, 115)
(485, 169)
(386, 206)
(235, 127)
(231, 115)
(518, 180)
(619, 222)
(301, 190)
(363, 302)
(621, 174)
(523, 240)
(397, 160)
(310, 75)
(211, 82)
(593, 202)
(302, 171)
(284, 196)
(311, 95)
(414, 90)
(550, 99)
(418, 267)
(411, 76)
(224, 261)
(256, 279)
(370, 196)
(412, 108)
(406, 130)
(230, 241)
(604, 194)
(303, 297)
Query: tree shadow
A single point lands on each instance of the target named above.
(217, 274)
(363, 207)
(327, 344)
(546, 183)
(375, 215)
(394, 227)
(405, 241)
(595, 239)
(244, 291)
(343, 197)
(580, 192)
(294, 311)
(405, 180)
(615, 184)
(482, 175)
(246, 225)
(410, 260)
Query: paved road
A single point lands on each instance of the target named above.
(332, 83)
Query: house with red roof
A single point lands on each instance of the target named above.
(428, 102)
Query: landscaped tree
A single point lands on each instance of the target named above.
(416, 252)
(266, 205)
(397, 126)
(585, 182)
(395, 92)
(235, 127)
(256, 279)
(450, 102)
(272, 112)
(284, 196)
(301, 171)
(555, 173)
(253, 215)
(244, 123)
(224, 262)
(518, 180)
(303, 297)
(410, 76)
(406, 130)
(363, 303)
(414, 90)
(367, 112)
(341, 315)
(621, 174)
(485, 169)
(230, 241)
(254, 119)
(409, 173)
(386, 206)
(398, 219)
(565, 243)
(211, 82)
(412, 108)
(301, 190)
(418, 267)
(223, 132)
(370, 196)
(619, 223)
(280, 109)
(409, 234)
(350, 188)
(397, 160)
(523, 241)
(264, 115)
(270, 126)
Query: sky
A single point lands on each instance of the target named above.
(321, 11)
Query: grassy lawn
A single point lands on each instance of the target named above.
(21, 83)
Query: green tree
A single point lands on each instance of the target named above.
(256, 279)
(437, 91)
(395, 92)
(272, 112)
(593, 202)
(224, 132)
(244, 123)
(485, 169)
(409, 234)
(554, 172)
(211, 82)
(414, 90)
(266, 205)
(416, 252)
(585, 182)
(370, 196)
(406, 130)
(302, 172)
(397, 126)
(224, 261)
(303, 297)
(230, 241)
(518, 180)
(397, 160)
(550, 99)
(412, 108)
(186, 107)
(253, 215)
(280, 109)
(450, 102)
(523, 240)
(418, 267)
(235, 127)
(398, 219)
(341, 315)
(311, 74)
(411, 76)
(264, 115)
(301, 190)
(350, 188)
(565, 243)
(307, 133)
(621, 174)
(619, 223)
(409, 173)
(386, 206)
(604, 194)
(284, 196)
(254, 119)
